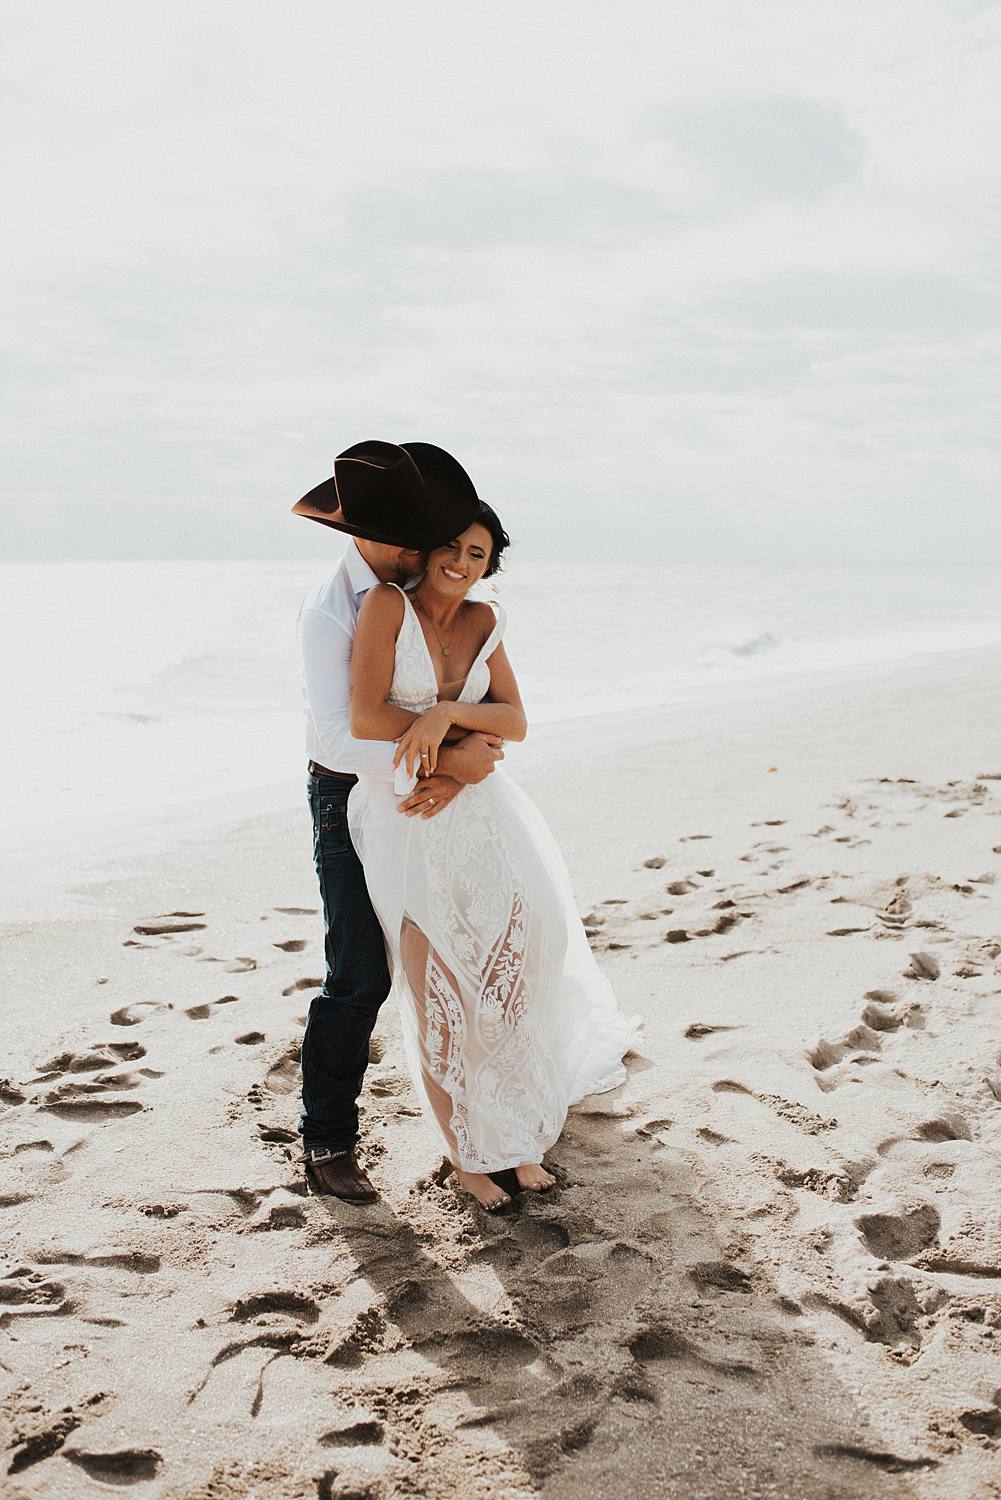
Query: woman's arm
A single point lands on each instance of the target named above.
(503, 715)
(372, 663)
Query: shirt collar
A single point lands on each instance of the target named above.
(360, 575)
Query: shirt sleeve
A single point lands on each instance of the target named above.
(325, 644)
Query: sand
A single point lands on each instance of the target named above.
(773, 1263)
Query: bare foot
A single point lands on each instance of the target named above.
(534, 1177)
(483, 1188)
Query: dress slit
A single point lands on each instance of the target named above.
(427, 976)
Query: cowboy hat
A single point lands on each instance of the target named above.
(404, 495)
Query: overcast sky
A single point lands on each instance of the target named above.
(680, 279)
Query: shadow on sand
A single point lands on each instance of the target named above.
(625, 1353)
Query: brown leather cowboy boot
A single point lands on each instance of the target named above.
(338, 1174)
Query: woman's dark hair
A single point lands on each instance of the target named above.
(490, 519)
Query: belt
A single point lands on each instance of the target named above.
(317, 770)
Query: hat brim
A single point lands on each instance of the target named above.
(336, 520)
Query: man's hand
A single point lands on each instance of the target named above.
(472, 759)
(430, 795)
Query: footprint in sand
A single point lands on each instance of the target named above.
(277, 1135)
(658, 1341)
(133, 1015)
(102, 1083)
(292, 945)
(298, 911)
(203, 1012)
(281, 1321)
(900, 1236)
(170, 924)
(887, 1012)
(787, 1109)
(886, 1312)
(122, 1466)
(386, 1088)
(92, 1060)
(94, 1111)
(359, 1432)
(302, 984)
(895, 915)
(858, 1045)
(283, 1076)
(135, 1261)
(28, 1292)
(922, 966)
(950, 1125)
(564, 1291)
(713, 1276)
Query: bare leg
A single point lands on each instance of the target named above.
(418, 956)
(504, 973)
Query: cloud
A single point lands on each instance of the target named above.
(875, 303)
(776, 148)
(700, 257)
(488, 207)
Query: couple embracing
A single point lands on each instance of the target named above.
(440, 880)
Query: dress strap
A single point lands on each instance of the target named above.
(496, 635)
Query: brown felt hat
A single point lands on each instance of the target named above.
(405, 495)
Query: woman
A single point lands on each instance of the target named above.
(507, 1019)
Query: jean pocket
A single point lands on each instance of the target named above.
(332, 826)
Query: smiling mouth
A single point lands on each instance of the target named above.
(455, 577)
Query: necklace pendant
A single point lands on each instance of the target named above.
(446, 650)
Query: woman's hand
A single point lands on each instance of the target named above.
(418, 747)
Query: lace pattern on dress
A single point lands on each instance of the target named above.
(505, 1016)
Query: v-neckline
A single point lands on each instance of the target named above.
(430, 659)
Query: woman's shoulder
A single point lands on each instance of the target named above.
(483, 617)
(383, 604)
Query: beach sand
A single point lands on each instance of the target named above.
(773, 1263)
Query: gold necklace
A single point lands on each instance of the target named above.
(445, 650)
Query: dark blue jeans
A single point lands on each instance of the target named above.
(342, 1015)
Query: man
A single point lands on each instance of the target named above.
(396, 503)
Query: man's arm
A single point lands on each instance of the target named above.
(472, 759)
(325, 645)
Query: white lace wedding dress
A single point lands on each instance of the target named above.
(507, 1019)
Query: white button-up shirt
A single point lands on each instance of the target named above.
(327, 622)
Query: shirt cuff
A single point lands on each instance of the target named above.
(404, 782)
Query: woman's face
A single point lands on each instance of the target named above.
(455, 567)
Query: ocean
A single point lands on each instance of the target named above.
(129, 686)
